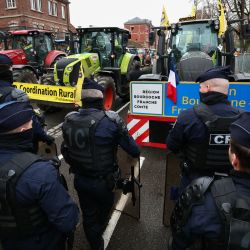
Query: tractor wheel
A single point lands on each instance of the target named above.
(25, 75)
(109, 91)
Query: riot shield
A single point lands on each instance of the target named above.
(49, 152)
(172, 180)
(128, 194)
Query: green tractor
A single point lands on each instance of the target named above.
(103, 57)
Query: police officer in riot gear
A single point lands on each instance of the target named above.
(91, 137)
(200, 135)
(36, 210)
(214, 212)
(9, 93)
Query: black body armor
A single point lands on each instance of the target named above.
(17, 220)
(193, 195)
(212, 154)
(234, 210)
(81, 152)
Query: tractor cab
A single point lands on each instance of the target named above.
(109, 43)
(35, 44)
(32, 49)
(190, 45)
(194, 46)
(194, 36)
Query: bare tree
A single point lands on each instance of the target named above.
(236, 9)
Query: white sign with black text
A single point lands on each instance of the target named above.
(147, 99)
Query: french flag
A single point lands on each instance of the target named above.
(173, 80)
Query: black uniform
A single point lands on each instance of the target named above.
(91, 137)
(198, 131)
(36, 210)
(213, 213)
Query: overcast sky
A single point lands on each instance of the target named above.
(117, 12)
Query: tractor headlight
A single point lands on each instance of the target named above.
(173, 27)
(69, 69)
(216, 24)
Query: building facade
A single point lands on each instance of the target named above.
(139, 29)
(50, 15)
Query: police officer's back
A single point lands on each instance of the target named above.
(36, 210)
(9, 93)
(214, 212)
(201, 134)
(91, 137)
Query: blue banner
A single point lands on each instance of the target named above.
(188, 95)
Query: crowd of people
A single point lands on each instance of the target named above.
(37, 212)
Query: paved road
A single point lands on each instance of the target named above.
(125, 232)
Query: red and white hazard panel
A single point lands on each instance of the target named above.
(138, 129)
(150, 131)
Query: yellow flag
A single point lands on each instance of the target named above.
(222, 19)
(164, 18)
(193, 11)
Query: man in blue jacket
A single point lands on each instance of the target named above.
(36, 210)
(200, 135)
(9, 93)
(91, 137)
(214, 212)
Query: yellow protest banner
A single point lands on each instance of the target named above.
(49, 93)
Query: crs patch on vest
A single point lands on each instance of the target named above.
(219, 139)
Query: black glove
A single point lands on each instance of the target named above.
(49, 139)
(125, 185)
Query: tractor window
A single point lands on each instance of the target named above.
(194, 37)
(97, 42)
(21, 41)
(49, 43)
(118, 49)
(43, 44)
(2, 42)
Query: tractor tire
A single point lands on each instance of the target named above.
(109, 94)
(25, 75)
